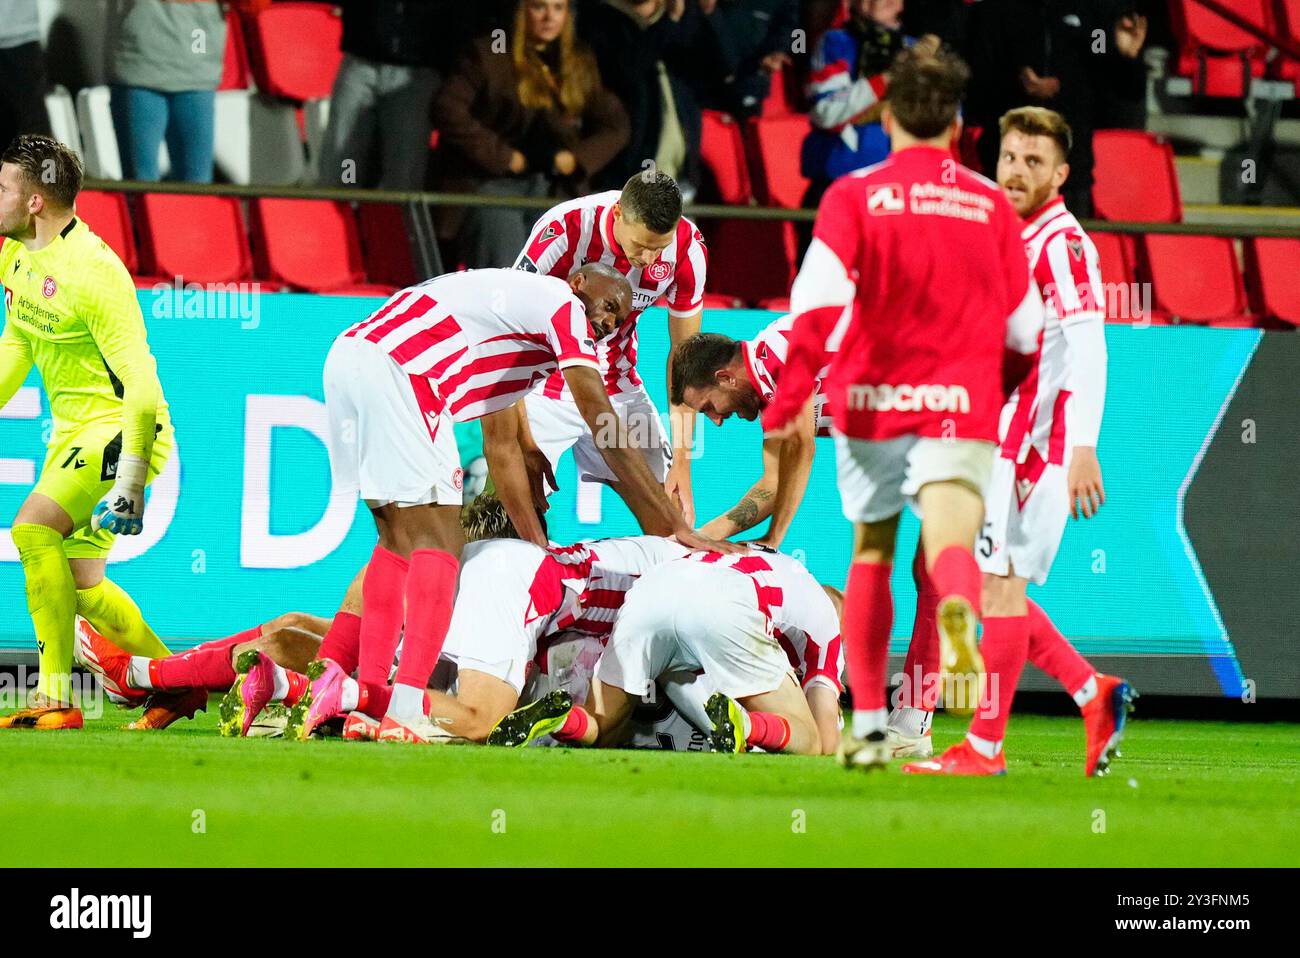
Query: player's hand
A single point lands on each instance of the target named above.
(1084, 481)
(1130, 35)
(678, 487)
(694, 540)
(540, 477)
(1041, 88)
(122, 510)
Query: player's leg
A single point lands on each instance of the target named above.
(342, 639)
(910, 721)
(947, 478)
(480, 703)
(780, 720)
(104, 603)
(824, 704)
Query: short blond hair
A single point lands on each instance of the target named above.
(1039, 121)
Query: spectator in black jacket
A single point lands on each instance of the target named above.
(754, 39)
(1053, 53)
(394, 53)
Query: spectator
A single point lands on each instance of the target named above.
(754, 39)
(847, 82)
(394, 53)
(1047, 53)
(164, 64)
(640, 46)
(529, 120)
(22, 71)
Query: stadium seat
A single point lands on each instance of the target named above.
(235, 74)
(62, 113)
(722, 151)
(200, 239)
(750, 259)
(109, 218)
(1195, 279)
(778, 304)
(718, 301)
(293, 49)
(1273, 278)
(1287, 23)
(774, 146)
(385, 245)
(311, 245)
(781, 99)
(1118, 278)
(1218, 56)
(316, 118)
(98, 139)
(1134, 178)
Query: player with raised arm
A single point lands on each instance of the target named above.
(916, 279)
(720, 377)
(458, 347)
(760, 606)
(71, 311)
(1046, 468)
(640, 232)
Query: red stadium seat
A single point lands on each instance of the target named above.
(778, 304)
(385, 245)
(294, 51)
(722, 151)
(1287, 23)
(109, 218)
(311, 245)
(1122, 293)
(781, 100)
(774, 146)
(235, 74)
(198, 238)
(1134, 178)
(717, 301)
(1219, 56)
(1196, 279)
(1273, 279)
(750, 259)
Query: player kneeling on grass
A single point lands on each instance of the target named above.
(724, 615)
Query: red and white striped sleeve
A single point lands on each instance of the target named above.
(823, 652)
(551, 244)
(1069, 262)
(569, 335)
(686, 296)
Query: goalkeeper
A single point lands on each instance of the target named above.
(71, 310)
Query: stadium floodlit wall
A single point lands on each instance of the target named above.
(1185, 583)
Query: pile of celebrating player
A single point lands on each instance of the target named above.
(946, 331)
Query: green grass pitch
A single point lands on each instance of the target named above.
(1184, 793)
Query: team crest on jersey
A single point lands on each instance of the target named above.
(885, 200)
(458, 479)
(49, 287)
(1075, 245)
(549, 233)
(658, 271)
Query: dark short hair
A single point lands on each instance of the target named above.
(1039, 121)
(697, 359)
(925, 90)
(48, 167)
(652, 199)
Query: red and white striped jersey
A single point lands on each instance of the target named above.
(802, 615)
(765, 357)
(1066, 273)
(602, 571)
(476, 341)
(582, 231)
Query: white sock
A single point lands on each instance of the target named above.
(1087, 692)
(351, 695)
(911, 721)
(137, 675)
(689, 693)
(407, 703)
(984, 746)
(866, 721)
(280, 688)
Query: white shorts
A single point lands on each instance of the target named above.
(1026, 534)
(689, 615)
(381, 444)
(490, 631)
(557, 426)
(878, 477)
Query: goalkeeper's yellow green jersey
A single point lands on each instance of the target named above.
(71, 309)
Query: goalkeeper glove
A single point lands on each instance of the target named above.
(122, 510)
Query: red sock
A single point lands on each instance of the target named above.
(1005, 645)
(342, 642)
(868, 617)
(575, 726)
(920, 688)
(298, 684)
(1053, 653)
(955, 572)
(381, 616)
(206, 667)
(430, 594)
(373, 699)
(769, 731)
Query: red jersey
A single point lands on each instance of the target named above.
(581, 231)
(915, 271)
(476, 341)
